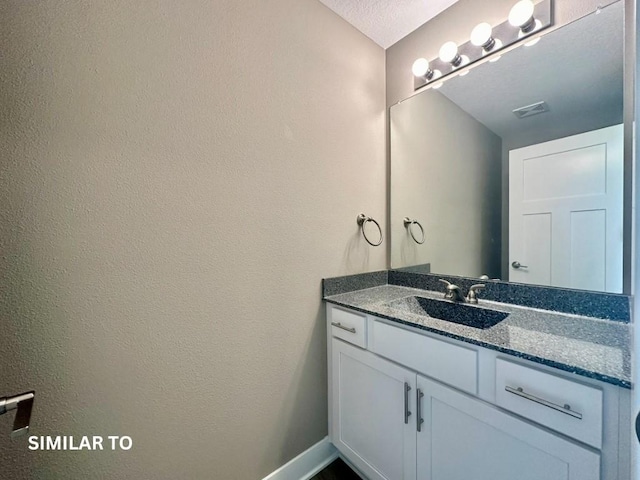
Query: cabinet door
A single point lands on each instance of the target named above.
(463, 438)
(373, 417)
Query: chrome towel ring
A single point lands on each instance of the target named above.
(408, 223)
(362, 219)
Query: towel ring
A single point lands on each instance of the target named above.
(408, 223)
(362, 219)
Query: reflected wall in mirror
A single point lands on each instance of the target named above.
(509, 187)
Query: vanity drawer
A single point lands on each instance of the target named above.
(348, 326)
(561, 404)
(451, 364)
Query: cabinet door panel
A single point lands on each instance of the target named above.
(466, 438)
(369, 413)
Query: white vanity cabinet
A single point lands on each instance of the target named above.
(463, 437)
(409, 405)
(373, 416)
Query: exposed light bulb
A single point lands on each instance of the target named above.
(420, 67)
(481, 36)
(449, 53)
(521, 15)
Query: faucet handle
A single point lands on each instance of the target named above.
(450, 286)
(453, 291)
(472, 296)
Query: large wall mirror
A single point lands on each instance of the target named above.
(515, 171)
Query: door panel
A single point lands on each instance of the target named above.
(565, 206)
(588, 249)
(488, 451)
(463, 438)
(536, 249)
(369, 413)
(565, 174)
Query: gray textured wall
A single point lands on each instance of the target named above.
(175, 180)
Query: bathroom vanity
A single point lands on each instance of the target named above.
(533, 381)
(540, 394)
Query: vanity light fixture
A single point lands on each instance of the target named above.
(481, 36)
(521, 16)
(421, 68)
(449, 54)
(525, 22)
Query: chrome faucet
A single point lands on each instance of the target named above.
(472, 296)
(453, 292)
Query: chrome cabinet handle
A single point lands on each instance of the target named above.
(339, 325)
(419, 419)
(23, 404)
(566, 408)
(407, 413)
(518, 265)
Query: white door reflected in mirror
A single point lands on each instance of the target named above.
(565, 212)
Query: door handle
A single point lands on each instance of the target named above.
(419, 419)
(407, 413)
(23, 404)
(518, 265)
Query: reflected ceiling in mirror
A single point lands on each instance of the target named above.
(450, 166)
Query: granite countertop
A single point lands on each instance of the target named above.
(583, 345)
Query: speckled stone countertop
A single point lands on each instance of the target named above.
(586, 346)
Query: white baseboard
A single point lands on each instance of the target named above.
(308, 463)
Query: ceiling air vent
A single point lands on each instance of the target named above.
(530, 110)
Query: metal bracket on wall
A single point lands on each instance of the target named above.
(23, 404)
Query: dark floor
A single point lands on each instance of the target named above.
(338, 470)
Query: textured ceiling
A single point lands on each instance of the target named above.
(387, 21)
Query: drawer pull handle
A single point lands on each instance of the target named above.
(407, 413)
(566, 408)
(339, 325)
